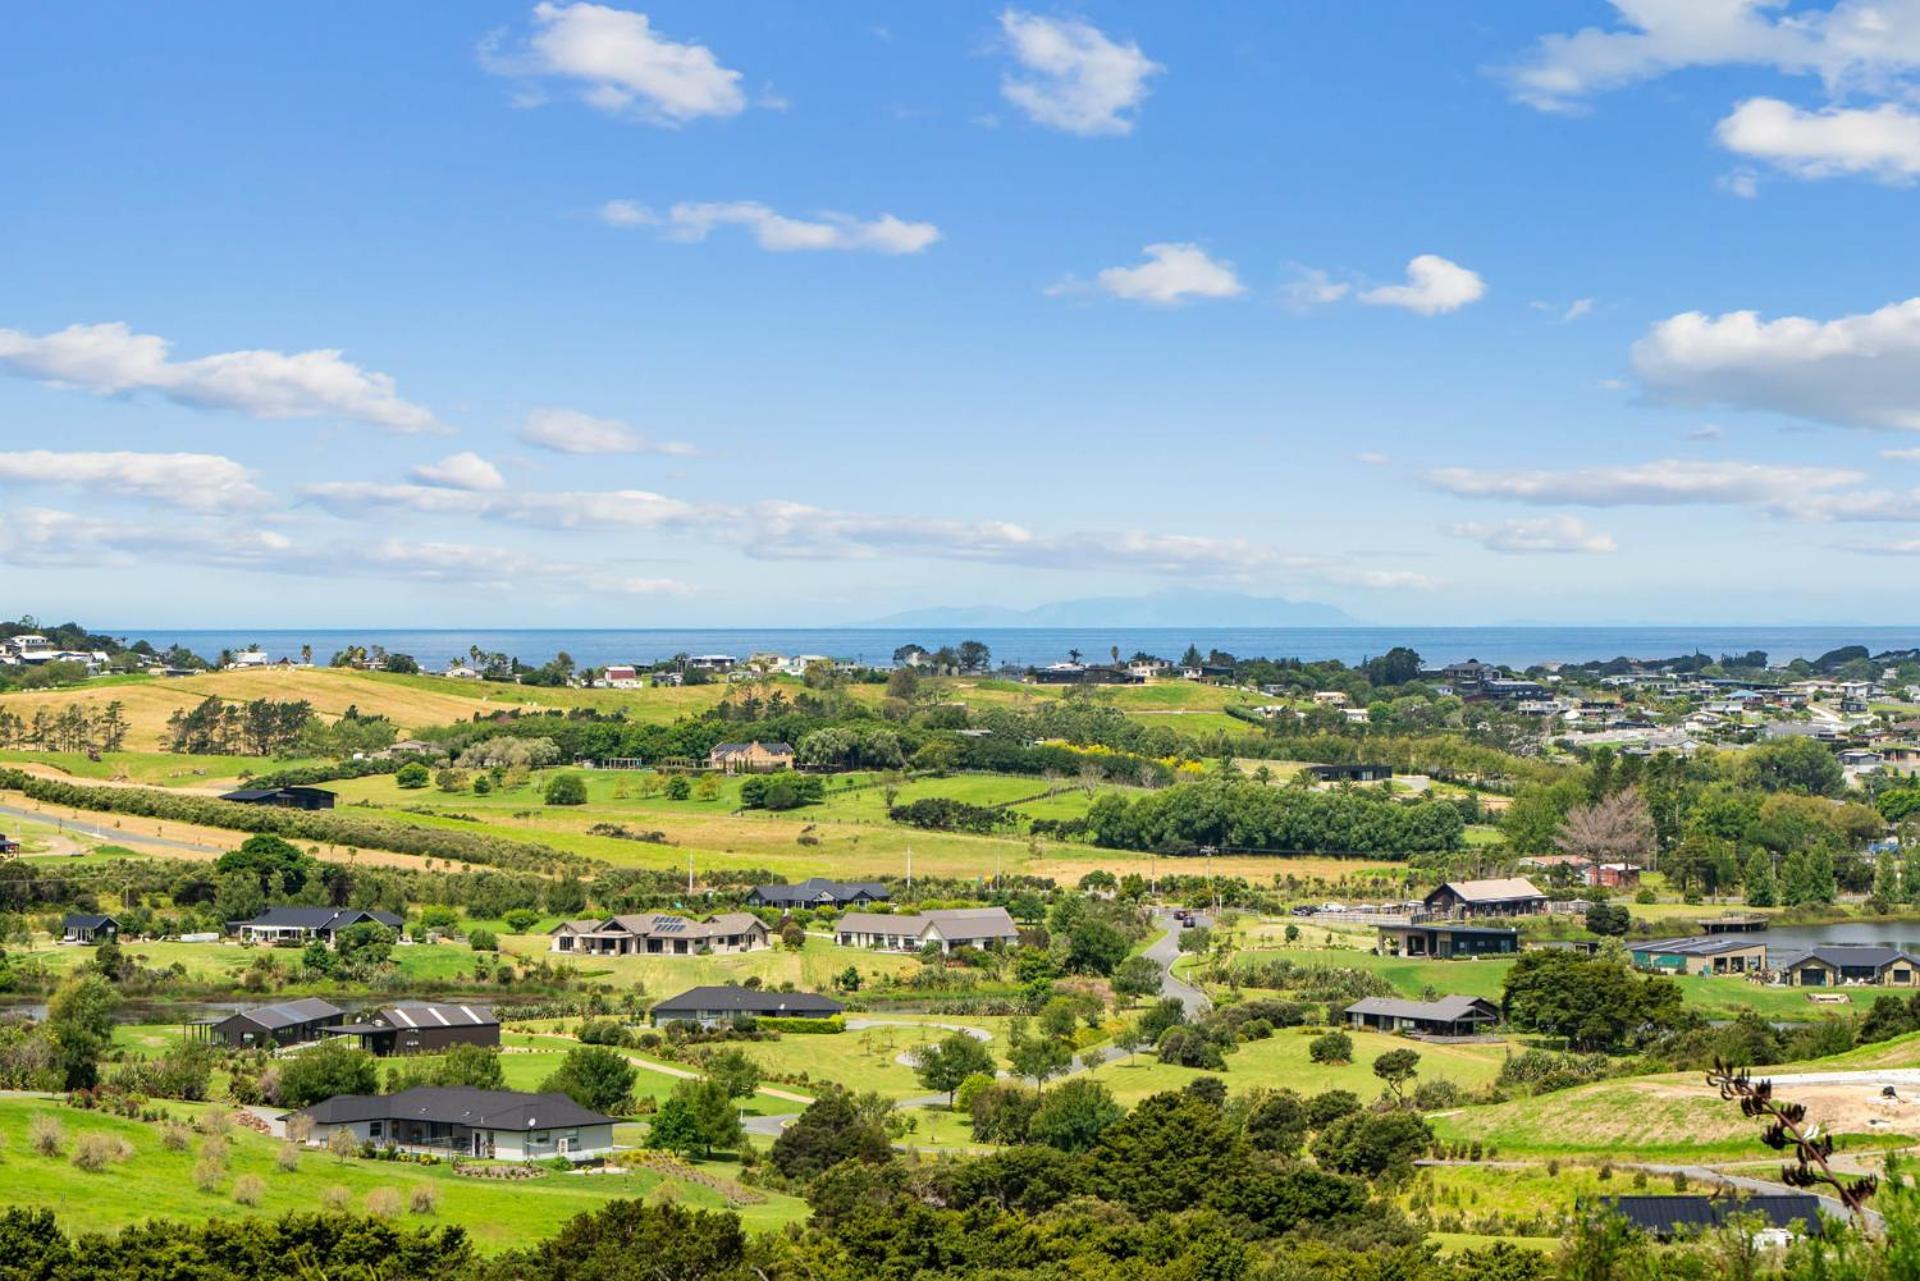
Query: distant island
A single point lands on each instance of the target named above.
(1174, 608)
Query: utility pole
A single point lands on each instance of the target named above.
(909, 867)
(689, 874)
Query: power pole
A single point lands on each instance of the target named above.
(909, 867)
(689, 874)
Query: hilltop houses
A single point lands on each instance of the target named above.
(661, 934)
(817, 891)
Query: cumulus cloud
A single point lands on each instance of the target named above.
(1668, 482)
(774, 231)
(568, 431)
(1879, 142)
(1556, 534)
(1172, 273)
(619, 64)
(1434, 285)
(196, 482)
(464, 470)
(110, 359)
(1854, 371)
(1072, 76)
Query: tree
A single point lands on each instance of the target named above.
(1596, 1003)
(1613, 829)
(1331, 1047)
(1094, 947)
(412, 775)
(713, 1113)
(364, 946)
(733, 1072)
(830, 1131)
(1396, 1068)
(1073, 1114)
(80, 1025)
(1609, 919)
(1793, 765)
(675, 1128)
(595, 1077)
(1135, 977)
(566, 789)
(1039, 1057)
(1372, 1143)
(974, 656)
(1277, 1123)
(942, 1065)
(329, 1069)
(1761, 889)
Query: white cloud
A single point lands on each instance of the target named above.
(1312, 287)
(110, 359)
(1075, 78)
(620, 65)
(1856, 371)
(1382, 579)
(1880, 142)
(1577, 308)
(1744, 183)
(1173, 273)
(197, 482)
(567, 431)
(1902, 455)
(1557, 534)
(774, 231)
(464, 470)
(1434, 285)
(1372, 459)
(1895, 547)
(1866, 45)
(1668, 482)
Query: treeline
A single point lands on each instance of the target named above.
(327, 827)
(1260, 818)
(77, 727)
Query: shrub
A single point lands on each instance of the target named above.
(288, 1158)
(208, 1175)
(248, 1189)
(342, 1144)
(483, 941)
(413, 775)
(424, 1200)
(566, 789)
(46, 1135)
(175, 1137)
(383, 1203)
(1331, 1047)
(214, 1148)
(95, 1152)
(336, 1200)
(214, 1121)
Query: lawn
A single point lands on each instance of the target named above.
(867, 1058)
(813, 968)
(156, 1182)
(1660, 1120)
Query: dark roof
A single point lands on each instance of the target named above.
(748, 1000)
(458, 1105)
(429, 1014)
(816, 887)
(777, 747)
(86, 921)
(1448, 1009)
(1664, 1215)
(1443, 927)
(1699, 945)
(321, 918)
(288, 1013)
(1842, 954)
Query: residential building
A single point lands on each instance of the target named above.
(1835, 965)
(1702, 954)
(951, 928)
(621, 678)
(1350, 773)
(294, 798)
(8, 846)
(507, 1125)
(750, 758)
(288, 1023)
(1448, 1016)
(86, 927)
(1614, 875)
(1508, 896)
(421, 1027)
(817, 891)
(710, 1005)
(1445, 941)
(305, 924)
(660, 934)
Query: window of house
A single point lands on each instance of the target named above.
(540, 1137)
(373, 1129)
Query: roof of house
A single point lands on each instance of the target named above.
(86, 921)
(777, 748)
(288, 1013)
(264, 793)
(748, 1000)
(1663, 1215)
(1447, 927)
(1448, 1009)
(423, 1014)
(952, 923)
(459, 1105)
(666, 925)
(320, 918)
(1698, 945)
(1494, 891)
(817, 887)
(1841, 954)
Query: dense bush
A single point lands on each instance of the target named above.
(1254, 816)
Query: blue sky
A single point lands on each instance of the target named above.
(795, 314)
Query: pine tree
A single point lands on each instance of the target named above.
(1761, 889)
(1886, 885)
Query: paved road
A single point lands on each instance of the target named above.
(1164, 951)
(111, 835)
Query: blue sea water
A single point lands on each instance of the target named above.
(1514, 646)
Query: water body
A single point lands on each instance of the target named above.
(1512, 646)
(1786, 938)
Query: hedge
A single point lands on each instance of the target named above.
(776, 1023)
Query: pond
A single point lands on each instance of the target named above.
(1903, 934)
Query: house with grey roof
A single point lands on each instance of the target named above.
(1448, 1016)
(661, 934)
(1837, 965)
(1506, 896)
(287, 1023)
(507, 1125)
(305, 924)
(1702, 954)
(817, 891)
(722, 1004)
(950, 928)
(88, 927)
(421, 1027)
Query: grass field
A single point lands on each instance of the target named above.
(812, 968)
(159, 1183)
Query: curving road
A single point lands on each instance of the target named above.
(1164, 951)
(112, 836)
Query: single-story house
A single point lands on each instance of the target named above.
(1350, 773)
(949, 927)
(1624, 876)
(1702, 954)
(304, 924)
(86, 927)
(817, 891)
(421, 1027)
(1786, 1214)
(1444, 941)
(709, 1005)
(1835, 965)
(1507, 896)
(458, 1121)
(660, 934)
(750, 758)
(8, 846)
(292, 798)
(1448, 1016)
(620, 677)
(288, 1023)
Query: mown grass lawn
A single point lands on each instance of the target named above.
(813, 968)
(159, 1183)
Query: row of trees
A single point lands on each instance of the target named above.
(77, 727)
(1252, 816)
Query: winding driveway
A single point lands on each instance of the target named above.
(1163, 952)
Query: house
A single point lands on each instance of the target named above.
(1350, 773)
(247, 658)
(950, 928)
(288, 1023)
(1615, 875)
(1331, 698)
(1448, 1016)
(1838, 965)
(30, 647)
(305, 924)
(1702, 954)
(292, 798)
(508, 1125)
(1787, 1214)
(421, 1027)
(712, 662)
(660, 934)
(621, 678)
(1446, 941)
(8, 846)
(818, 892)
(710, 1005)
(82, 927)
(750, 758)
(1508, 896)
(461, 672)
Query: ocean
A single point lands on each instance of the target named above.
(1510, 646)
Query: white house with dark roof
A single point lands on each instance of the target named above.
(951, 928)
(507, 1125)
(661, 934)
(1448, 1016)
